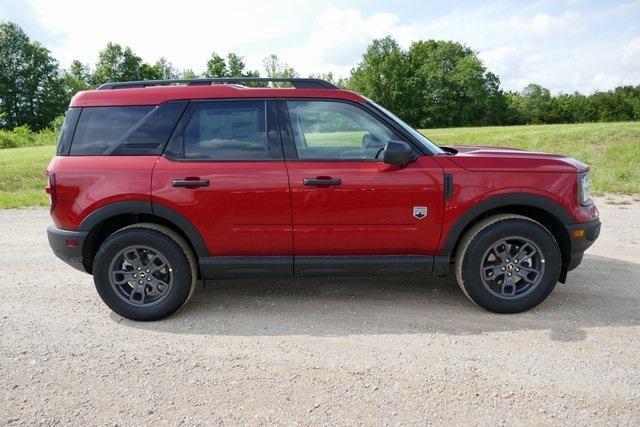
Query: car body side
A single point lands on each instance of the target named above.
(96, 195)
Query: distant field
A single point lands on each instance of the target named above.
(611, 149)
(22, 179)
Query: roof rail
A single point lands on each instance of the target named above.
(298, 83)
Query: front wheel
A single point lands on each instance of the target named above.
(508, 264)
(144, 272)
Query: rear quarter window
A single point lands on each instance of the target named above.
(131, 130)
(66, 133)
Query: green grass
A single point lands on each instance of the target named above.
(611, 149)
(22, 179)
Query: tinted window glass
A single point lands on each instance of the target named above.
(136, 130)
(233, 130)
(66, 133)
(154, 130)
(326, 130)
(100, 129)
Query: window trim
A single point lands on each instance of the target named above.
(289, 145)
(174, 150)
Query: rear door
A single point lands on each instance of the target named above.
(224, 171)
(345, 199)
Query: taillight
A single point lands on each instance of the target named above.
(51, 188)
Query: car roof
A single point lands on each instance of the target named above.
(154, 95)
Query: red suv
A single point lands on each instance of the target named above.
(159, 184)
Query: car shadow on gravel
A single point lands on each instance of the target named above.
(601, 292)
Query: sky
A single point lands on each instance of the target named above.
(564, 45)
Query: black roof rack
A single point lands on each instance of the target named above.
(298, 83)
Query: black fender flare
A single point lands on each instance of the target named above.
(499, 201)
(146, 207)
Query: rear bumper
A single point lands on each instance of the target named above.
(67, 245)
(580, 242)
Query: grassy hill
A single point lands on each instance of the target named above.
(611, 149)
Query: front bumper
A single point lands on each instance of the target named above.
(582, 236)
(67, 245)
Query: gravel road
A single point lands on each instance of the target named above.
(337, 351)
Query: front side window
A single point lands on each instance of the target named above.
(227, 130)
(330, 130)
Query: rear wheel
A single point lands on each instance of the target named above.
(508, 263)
(144, 272)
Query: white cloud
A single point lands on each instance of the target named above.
(340, 36)
(543, 24)
(631, 54)
(564, 46)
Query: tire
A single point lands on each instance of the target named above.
(145, 272)
(487, 260)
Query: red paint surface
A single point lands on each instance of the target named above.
(262, 208)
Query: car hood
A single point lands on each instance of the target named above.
(481, 159)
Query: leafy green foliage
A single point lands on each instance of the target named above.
(276, 68)
(233, 66)
(32, 91)
(433, 83)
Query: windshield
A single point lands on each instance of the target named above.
(417, 135)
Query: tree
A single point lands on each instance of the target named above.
(188, 74)
(165, 69)
(449, 85)
(117, 64)
(275, 68)
(77, 78)
(329, 77)
(233, 66)
(32, 89)
(216, 66)
(383, 76)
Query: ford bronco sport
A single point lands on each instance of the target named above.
(159, 184)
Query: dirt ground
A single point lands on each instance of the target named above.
(336, 351)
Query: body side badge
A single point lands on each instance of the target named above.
(419, 211)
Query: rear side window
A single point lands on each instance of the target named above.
(227, 130)
(132, 130)
(66, 133)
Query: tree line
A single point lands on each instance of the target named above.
(433, 83)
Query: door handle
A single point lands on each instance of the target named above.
(190, 183)
(322, 181)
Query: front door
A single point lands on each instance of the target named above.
(345, 199)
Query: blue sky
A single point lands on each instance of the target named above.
(565, 45)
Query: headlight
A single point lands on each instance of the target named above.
(584, 185)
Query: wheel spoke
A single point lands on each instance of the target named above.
(508, 287)
(126, 277)
(138, 294)
(159, 286)
(495, 271)
(501, 249)
(155, 267)
(523, 251)
(524, 273)
(133, 258)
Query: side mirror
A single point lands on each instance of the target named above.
(398, 153)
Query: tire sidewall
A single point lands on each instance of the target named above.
(473, 258)
(181, 270)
